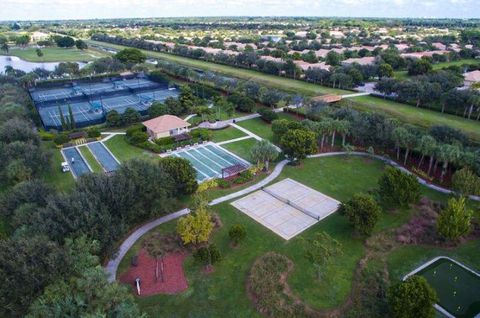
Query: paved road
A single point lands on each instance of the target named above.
(112, 265)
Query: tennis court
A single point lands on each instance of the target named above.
(75, 160)
(92, 100)
(457, 286)
(104, 156)
(209, 160)
(287, 207)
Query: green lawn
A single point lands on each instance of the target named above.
(227, 134)
(269, 80)
(222, 293)
(418, 116)
(87, 154)
(259, 127)
(56, 54)
(54, 176)
(124, 151)
(241, 148)
(439, 66)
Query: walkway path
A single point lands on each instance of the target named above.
(355, 95)
(112, 265)
(225, 123)
(233, 140)
(111, 135)
(248, 132)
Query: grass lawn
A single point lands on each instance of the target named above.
(259, 127)
(418, 116)
(54, 176)
(87, 154)
(241, 148)
(439, 66)
(286, 84)
(57, 54)
(222, 293)
(227, 134)
(124, 151)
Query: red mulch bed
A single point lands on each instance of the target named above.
(174, 276)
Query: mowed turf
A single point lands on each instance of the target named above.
(121, 149)
(57, 54)
(226, 134)
(241, 148)
(54, 175)
(418, 116)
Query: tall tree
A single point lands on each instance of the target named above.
(263, 152)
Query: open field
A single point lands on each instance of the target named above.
(406, 113)
(223, 291)
(57, 54)
(418, 116)
(439, 66)
(269, 80)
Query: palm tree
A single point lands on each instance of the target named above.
(323, 129)
(5, 47)
(474, 101)
(343, 128)
(399, 134)
(9, 70)
(263, 152)
(426, 146)
(447, 154)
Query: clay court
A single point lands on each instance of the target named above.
(174, 276)
(287, 207)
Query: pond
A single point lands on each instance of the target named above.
(26, 66)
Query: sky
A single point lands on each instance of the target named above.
(88, 9)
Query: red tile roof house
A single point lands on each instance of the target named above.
(165, 126)
(471, 78)
(368, 60)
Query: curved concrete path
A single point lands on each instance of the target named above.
(113, 264)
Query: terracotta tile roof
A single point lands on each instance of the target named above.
(165, 123)
(472, 76)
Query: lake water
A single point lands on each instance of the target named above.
(19, 64)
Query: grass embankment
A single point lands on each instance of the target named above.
(57, 54)
(400, 111)
(223, 292)
(417, 116)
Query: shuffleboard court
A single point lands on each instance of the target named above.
(287, 208)
(457, 287)
(77, 164)
(209, 160)
(104, 156)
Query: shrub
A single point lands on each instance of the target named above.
(46, 136)
(267, 114)
(93, 132)
(138, 137)
(466, 182)
(61, 139)
(242, 103)
(237, 233)
(413, 297)
(398, 188)
(209, 184)
(208, 255)
(362, 212)
(201, 133)
(455, 220)
(222, 183)
(166, 141)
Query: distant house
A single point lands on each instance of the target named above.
(471, 78)
(419, 55)
(368, 60)
(166, 126)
